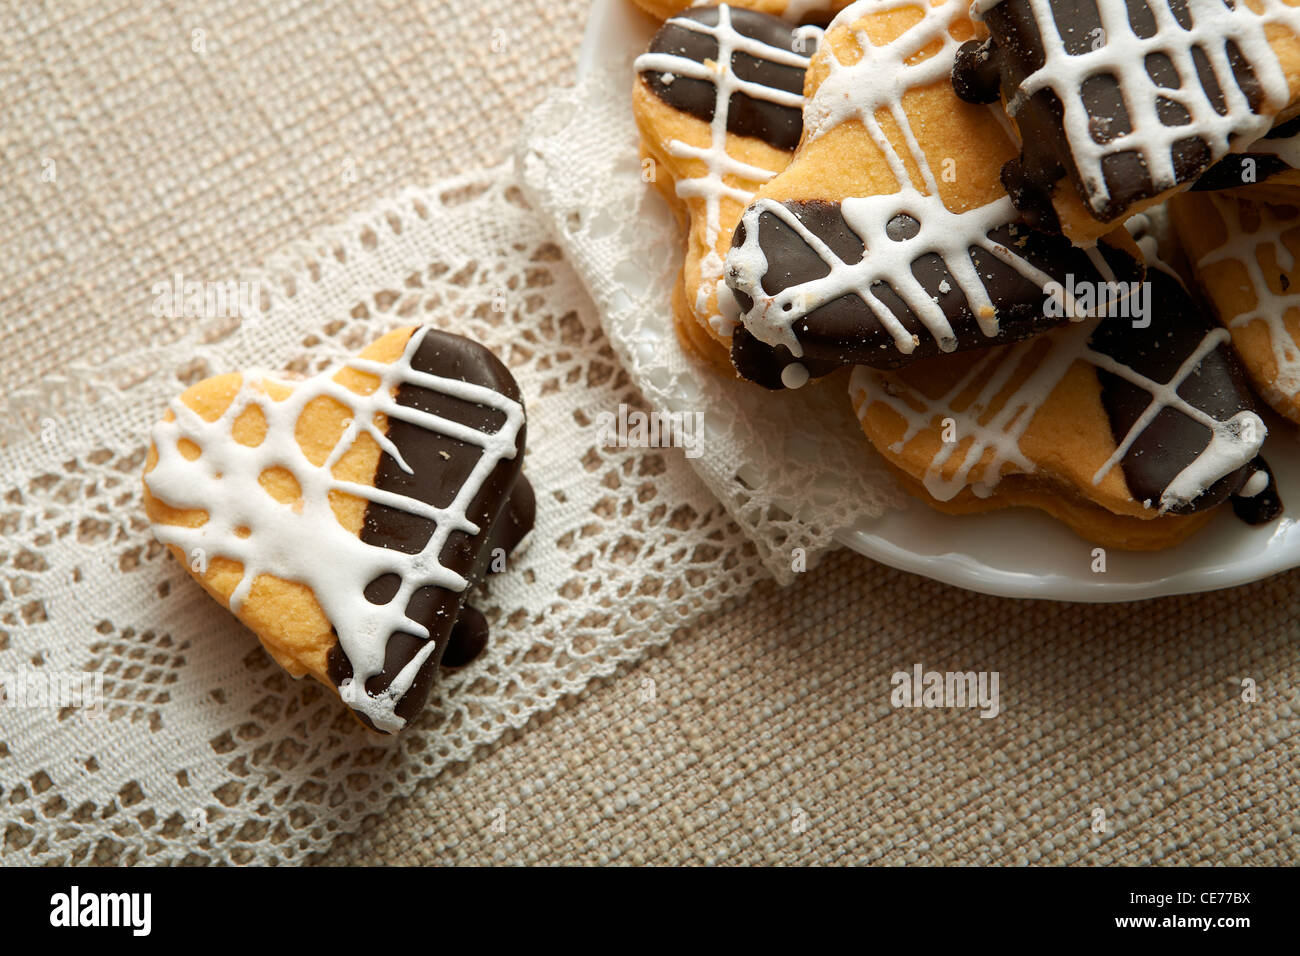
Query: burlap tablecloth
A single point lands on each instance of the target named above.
(765, 736)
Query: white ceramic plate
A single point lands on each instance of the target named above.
(1021, 552)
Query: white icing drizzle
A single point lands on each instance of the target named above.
(1123, 55)
(999, 435)
(303, 541)
(858, 91)
(1232, 443)
(1248, 247)
(719, 164)
(794, 375)
(1254, 485)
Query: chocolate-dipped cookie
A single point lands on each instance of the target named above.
(889, 237)
(1243, 255)
(1130, 434)
(346, 518)
(1119, 103)
(717, 100)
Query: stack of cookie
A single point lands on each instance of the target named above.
(1049, 245)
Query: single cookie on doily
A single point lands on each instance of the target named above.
(1244, 257)
(889, 237)
(718, 100)
(1130, 432)
(345, 518)
(1121, 102)
(794, 11)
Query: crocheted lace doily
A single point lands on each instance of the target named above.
(205, 751)
(792, 467)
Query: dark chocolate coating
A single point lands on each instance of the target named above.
(1015, 50)
(845, 331)
(468, 638)
(975, 74)
(776, 125)
(503, 509)
(1263, 507)
(1171, 441)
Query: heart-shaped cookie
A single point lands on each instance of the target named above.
(1131, 435)
(717, 100)
(345, 518)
